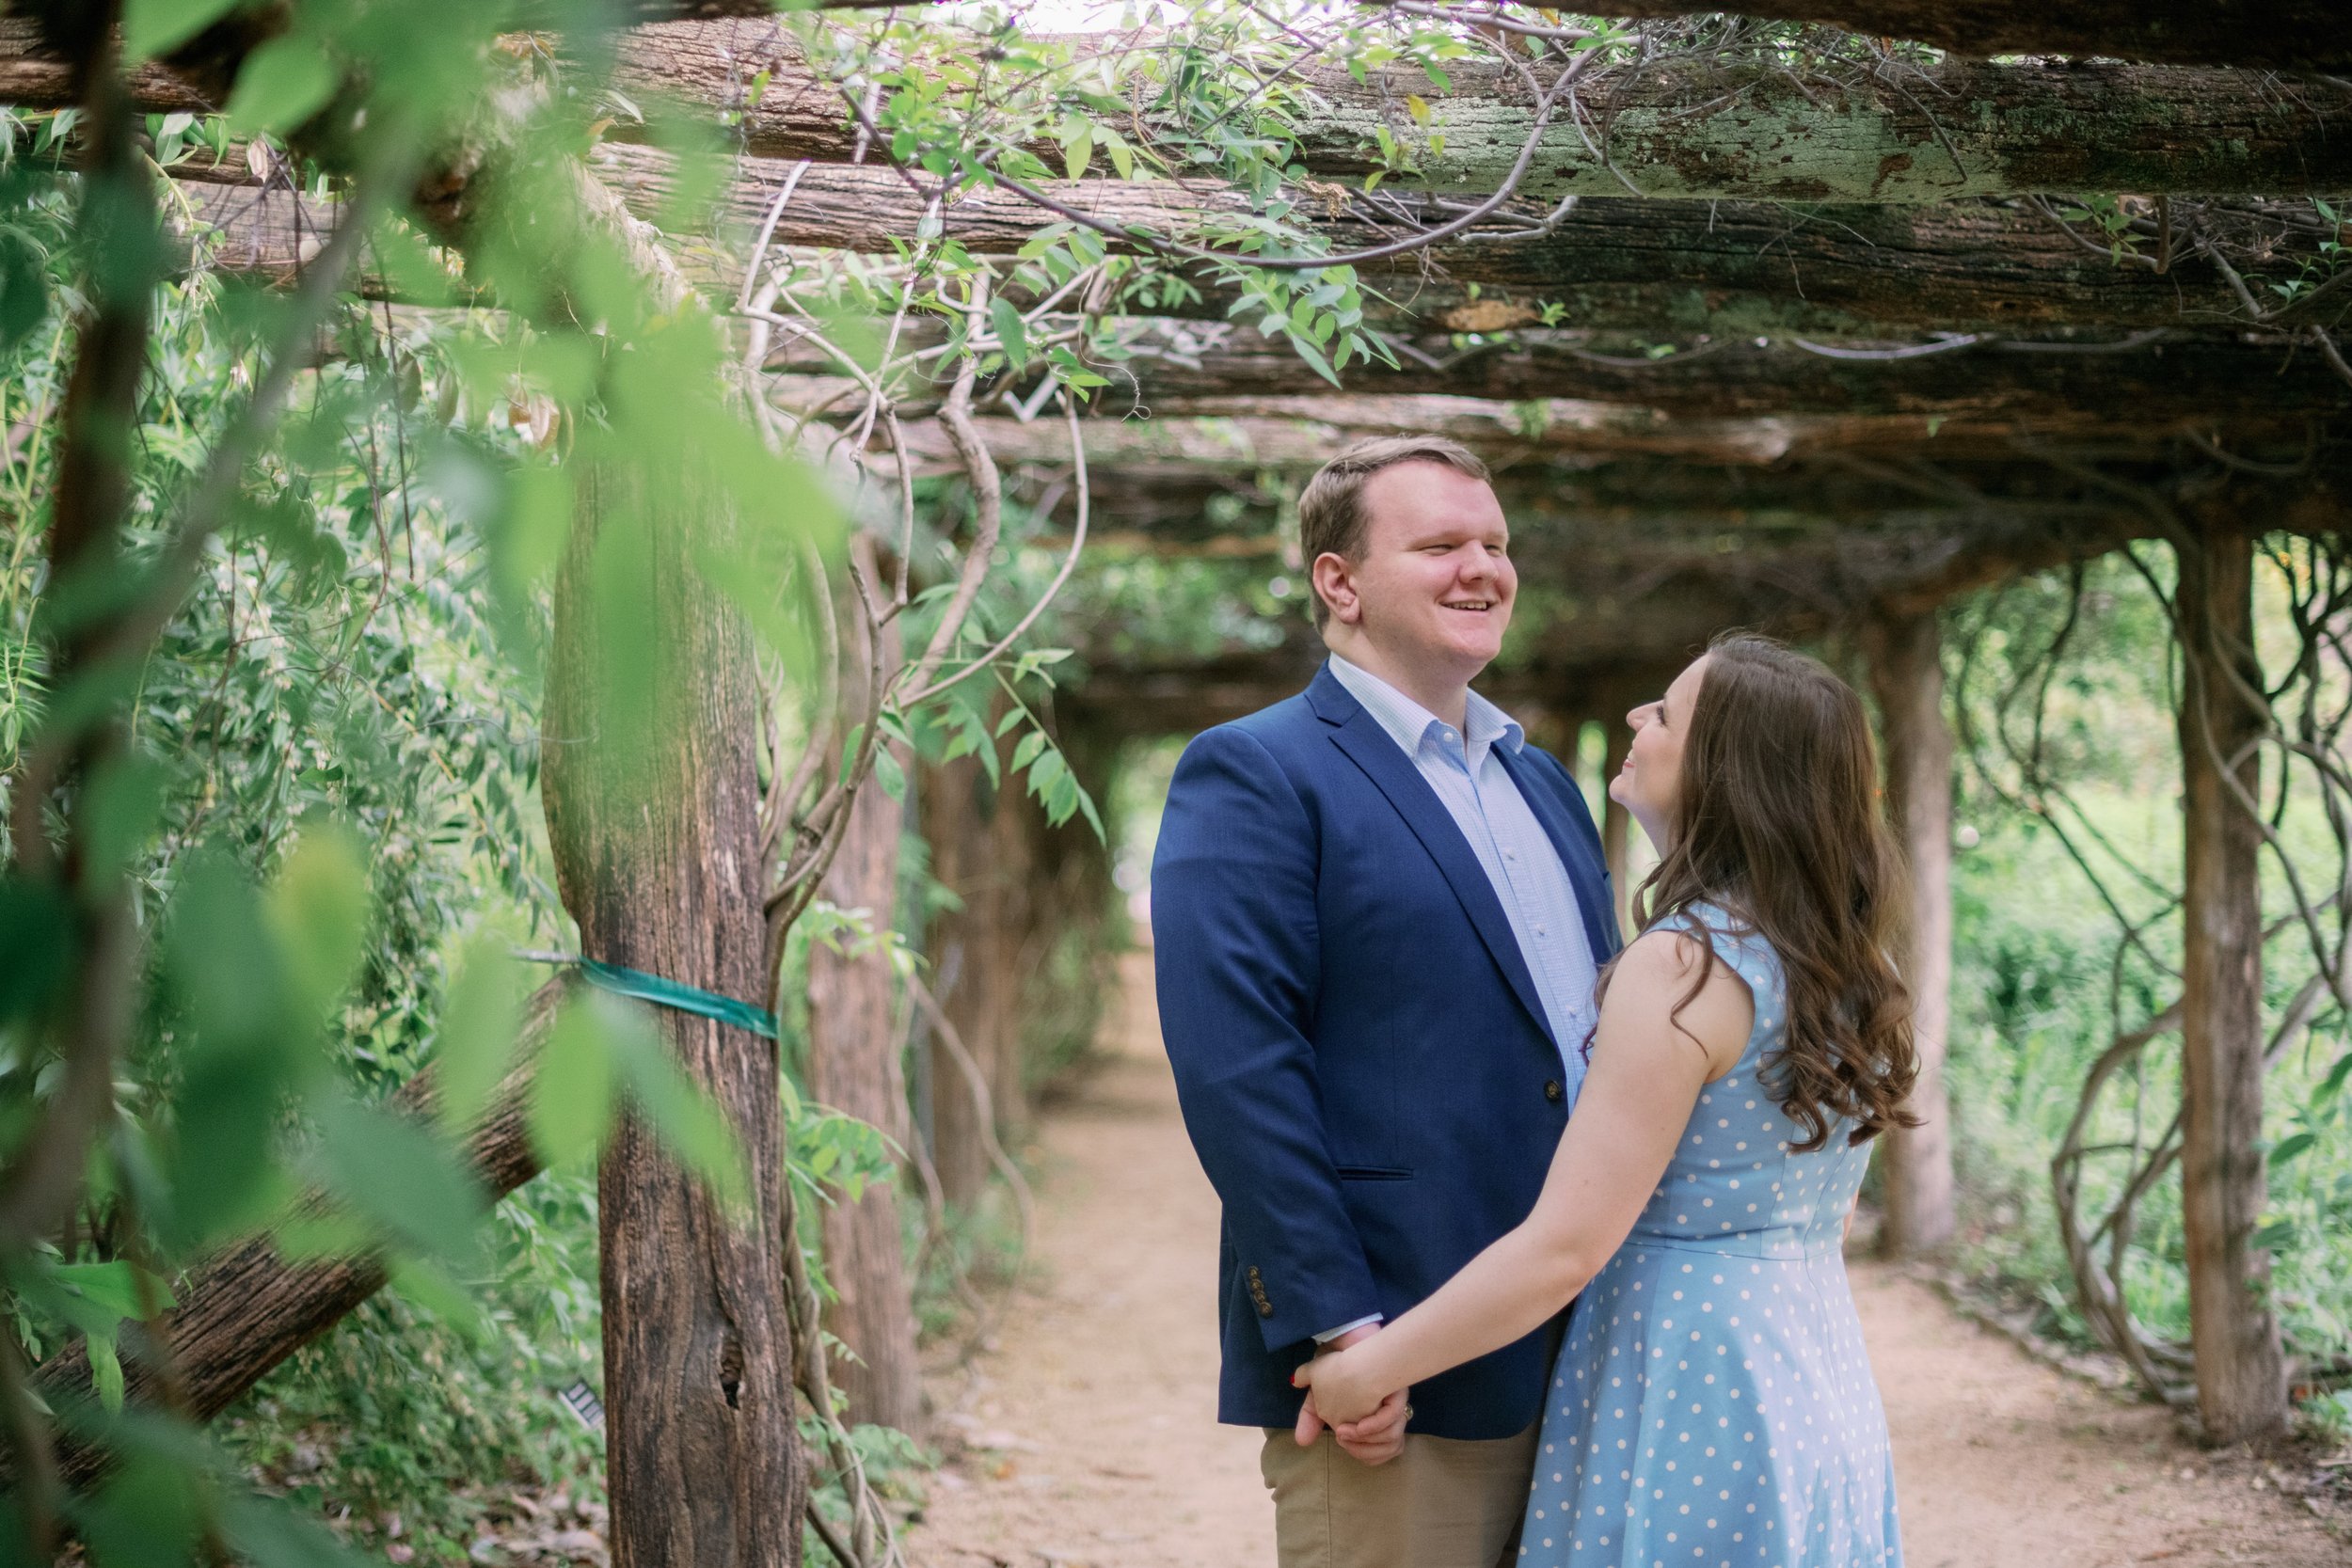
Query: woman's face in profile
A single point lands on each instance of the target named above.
(1650, 784)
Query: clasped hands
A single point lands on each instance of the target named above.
(1367, 1422)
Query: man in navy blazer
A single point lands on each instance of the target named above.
(1377, 916)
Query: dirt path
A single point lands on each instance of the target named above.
(1091, 1439)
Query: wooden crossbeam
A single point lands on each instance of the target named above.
(2219, 383)
(1676, 129)
(1671, 129)
(1735, 269)
(2274, 35)
(2149, 383)
(1616, 264)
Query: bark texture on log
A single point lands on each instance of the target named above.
(656, 837)
(1663, 269)
(1673, 128)
(1617, 823)
(978, 852)
(1733, 268)
(2276, 34)
(248, 1308)
(854, 1067)
(1907, 677)
(2241, 1375)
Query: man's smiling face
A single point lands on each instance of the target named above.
(1433, 583)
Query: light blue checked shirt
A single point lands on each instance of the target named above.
(1516, 854)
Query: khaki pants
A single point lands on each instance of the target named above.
(1441, 1503)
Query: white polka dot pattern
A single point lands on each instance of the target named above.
(1712, 1406)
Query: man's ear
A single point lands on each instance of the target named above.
(1334, 580)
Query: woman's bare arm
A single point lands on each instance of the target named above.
(1647, 1069)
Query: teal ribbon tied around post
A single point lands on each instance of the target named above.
(684, 998)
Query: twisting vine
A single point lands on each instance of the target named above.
(2101, 1181)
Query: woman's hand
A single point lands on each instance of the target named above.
(1345, 1385)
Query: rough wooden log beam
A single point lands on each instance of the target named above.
(248, 1308)
(1300, 434)
(2276, 35)
(1680, 128)
(1671, 129)
(1735, 269)
(1219, 371)
(1663, 269)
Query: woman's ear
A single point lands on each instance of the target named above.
(1335, 580)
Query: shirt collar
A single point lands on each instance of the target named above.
(1408, 723)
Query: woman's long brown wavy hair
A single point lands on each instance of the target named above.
(1779, 823)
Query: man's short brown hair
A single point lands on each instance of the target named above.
(1331, 508)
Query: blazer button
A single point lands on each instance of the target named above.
(1553, 1091)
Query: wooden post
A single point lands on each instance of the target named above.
(2241, 1379)
(955, 826)
(854, 1067)
(1617, 823)
(653, 811)
(1907, 677)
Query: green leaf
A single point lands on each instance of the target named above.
(281, 84)
(2292, 1146)
(571, 1094)
(432, 1289)
(688, 1124)
(1077, 147)
(114, 1289)
(318, 910)
(1010, 332)
(270, 1534)
(392, 1170)
(2332, 1085)
(152, 27)
(37, 933)
(477, 1036)
(106, 1371)
(888, 774)
(1026, 753)
(1418, 107)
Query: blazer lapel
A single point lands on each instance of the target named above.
(1372, 748)
(1586, 872)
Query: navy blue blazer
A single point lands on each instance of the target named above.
(1359, 1050)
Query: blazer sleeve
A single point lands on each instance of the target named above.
(1237, 958)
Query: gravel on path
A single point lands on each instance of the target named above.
(1088, 1438)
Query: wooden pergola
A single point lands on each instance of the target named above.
(1810, 358)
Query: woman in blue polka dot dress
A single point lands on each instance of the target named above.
(1713, 1405)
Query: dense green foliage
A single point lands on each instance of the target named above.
(2067, 937)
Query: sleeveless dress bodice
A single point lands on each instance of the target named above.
(1712, 1405)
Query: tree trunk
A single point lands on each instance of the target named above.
(1907, 677)
(652, 805)
(978, 848)
(948, 799)
(248, 1307)
(2241, 1379)
(854, 1067)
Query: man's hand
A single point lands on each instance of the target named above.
(1373, 1439)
